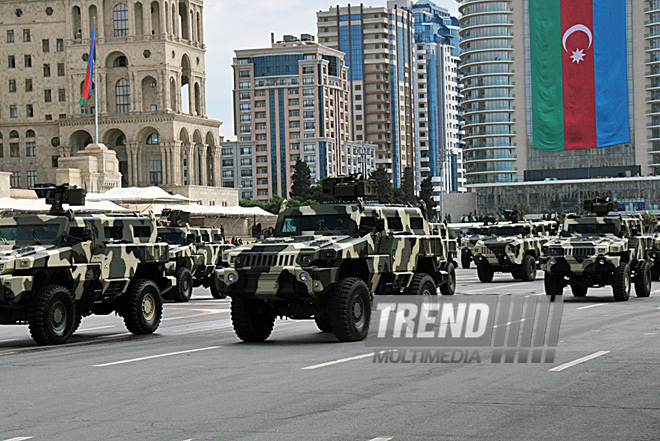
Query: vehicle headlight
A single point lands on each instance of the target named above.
(2, 266)
(231, 277)
(305, 258)
(237, 260)
(303, 276)
(552, 261)
(329, 254)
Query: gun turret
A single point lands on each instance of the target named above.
(176, 218)
(600, 206)
(350, 188)
(513, 215)
(56, 195)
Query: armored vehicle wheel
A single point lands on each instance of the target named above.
(323, 322)
(76, 324)
(142, 307)
(485, 272)
(579, 290)
(621, 282)
(252, 322)
(216, 293)
(350, 309)
(554, 284)
(52, 319)
(655, 273)
(643, 280)
(184, 285)
(516, 273)
(449, 288)
(466, 260)
(528, 268)
(421, 285)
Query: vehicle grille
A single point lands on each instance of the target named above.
(577, 252)
(497, 249)
(262, 260)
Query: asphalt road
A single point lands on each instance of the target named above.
(194, 380)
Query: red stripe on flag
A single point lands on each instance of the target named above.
(578, 74)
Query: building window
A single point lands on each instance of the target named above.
(28, 85)
(28, 61)
(12, 86)
(156, 172)
(120, 61)
(14, 151)
(244, 85)
(120, 20)
(60, 69)
(45, 44)
(10, 36)
(15, 180)
(54, 160)
(26, 35)
(122, 95)
(11, 62)
(60, 45)
(31, 178)
(46, 70)
(29, 110)
(61, 94)
(153, 139)
(244, 74)
(31, 148)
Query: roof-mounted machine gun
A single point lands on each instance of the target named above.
(56, 195)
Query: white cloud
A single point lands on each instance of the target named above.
(246, 24)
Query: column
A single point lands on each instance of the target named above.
(202, 97)
(201, 30)
(192, 164)
(134, 87)
(217, 169)
(191, 95)
(131, 153)
(146, 19)
(163, 22)
(131, 18)
(164, 90)
(202, 164)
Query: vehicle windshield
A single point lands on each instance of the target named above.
(37, 234)
(593, 229)
(334, 224)
(506, 231)
(172, 237)
(475, 231)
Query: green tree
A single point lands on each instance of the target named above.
(408, 186)
(301, 181)
(384, 186)
(398, 196)
(426, 192)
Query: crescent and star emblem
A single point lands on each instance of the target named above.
(578, 54)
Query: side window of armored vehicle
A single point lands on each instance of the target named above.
(114, 233)
(367, 225)
(75, 234)
(527, 231)
(417, 224)
(143, 232)
(288, 226)
(394, 224)
(206, 237)
(217, 238)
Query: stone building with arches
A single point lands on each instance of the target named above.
(150, 77)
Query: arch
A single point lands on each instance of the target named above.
(120, 20)
(149, 94)
(197, 137)
(210, 139)
(173, 94)
(76, 21)
(13, 134)
(183, 135)
(186, 77)
(79, 140)
(30, 134)
(198, 100)
(139, 19)
(152, 155)
(184, 25)
(116, 59)
(92, 16)
(115, 139)
(155, 18)
(122, 96)
(0, 135)
(199, 28)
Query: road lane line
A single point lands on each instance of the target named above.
(95, 329)
(203, 313)
(592, 306)
(156, 356)
(343, 360)
(19, 438)
(381, 439)
(496, 287)
(561, 367)
(6, 353)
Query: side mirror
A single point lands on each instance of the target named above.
(88, 234)
(256, 230)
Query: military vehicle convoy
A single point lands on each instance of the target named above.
(469, 241)
(599, 249)
(326, 261)
(57, 268)
(655, 255)
(194, 252)
(513, 246)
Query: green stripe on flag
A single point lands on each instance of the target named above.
(547, 90)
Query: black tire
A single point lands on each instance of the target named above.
(528, 268)
(655, 272)
(553, 284)
(466, 260)
(449, 288)
(621, 282)
(579, 290)
(184, 285)
(76, 324)
(251, 321)
(350, 309)
(142, 307)
(643, 280)
(516, 273)
(485, 272)
(421, 285)
(52, 318)
(323, 322)
(215, 292)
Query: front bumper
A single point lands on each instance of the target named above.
(12, 287)
(496, 261)
(588, 266)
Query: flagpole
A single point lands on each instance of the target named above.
(96, 95)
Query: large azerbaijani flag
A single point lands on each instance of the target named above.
(579, 73)
(88, 84)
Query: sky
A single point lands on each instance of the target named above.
(247, 24)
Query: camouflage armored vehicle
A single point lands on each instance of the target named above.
(513, 246)
(195, 252)
(596, 250)
(655, 255)
(57, 268)
(326, 261)
(468, 241)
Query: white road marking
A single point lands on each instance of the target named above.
(592, 306)
(497, 287)
(10, 339)
(381, 439)
(561, 367)
(202, 313)
(156, 356)
(19, 438)
(343, 360)
(95, 329)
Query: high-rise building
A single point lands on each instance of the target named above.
(150, 80)
(438, 98)
(497, 77)
(378, 43)
(292, 101)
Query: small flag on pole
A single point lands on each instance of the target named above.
(88, 85)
